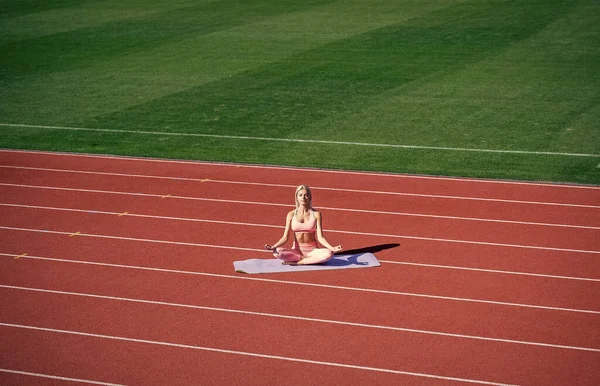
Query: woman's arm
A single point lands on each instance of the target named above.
(286, 233)
(320, 238)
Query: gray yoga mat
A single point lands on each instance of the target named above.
(360, 260)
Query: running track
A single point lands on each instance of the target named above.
(119, 271)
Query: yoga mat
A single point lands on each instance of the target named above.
(360, 260)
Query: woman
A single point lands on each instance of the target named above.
(305, 222)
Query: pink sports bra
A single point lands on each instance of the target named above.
(308, 226)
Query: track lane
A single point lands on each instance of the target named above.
(134, 363)
(510, 211)
(455, 229)
(402, 352)
(452, 229)
(290, 295)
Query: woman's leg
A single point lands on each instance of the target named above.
(286, 254)
(317, 256)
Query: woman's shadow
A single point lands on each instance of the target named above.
(354, 254)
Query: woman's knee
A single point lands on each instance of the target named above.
(327, 255)
(323, 253)
(318, 256)
(287, 254)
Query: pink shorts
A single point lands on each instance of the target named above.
(308, 253)
(306, 248)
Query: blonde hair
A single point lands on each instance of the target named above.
(299, 188)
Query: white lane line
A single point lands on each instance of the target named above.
(80, 234)
(306, 169)
(298, 140)
(546, 276)
(504, 245)
(459, 218)
(277, 226)
(129, 214)
(96, 191)
(316, 188)
(301, 318)
(249, 354)
(87, 381)
(287, 282)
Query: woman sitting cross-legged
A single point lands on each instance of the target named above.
(305, 222)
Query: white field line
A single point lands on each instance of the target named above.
(522, 246)
(251, 354)
(316, 188)
(305, 169)
(287, 282)
(30, 374)
(298, 140)
(458, 218)
(300, 318)
(280, 227)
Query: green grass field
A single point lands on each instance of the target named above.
(480, 88)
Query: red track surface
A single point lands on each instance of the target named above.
(119, 271)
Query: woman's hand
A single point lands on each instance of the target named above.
(269, 247)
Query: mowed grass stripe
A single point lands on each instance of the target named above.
(55, 20)
(11, 9)
(85, 46)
